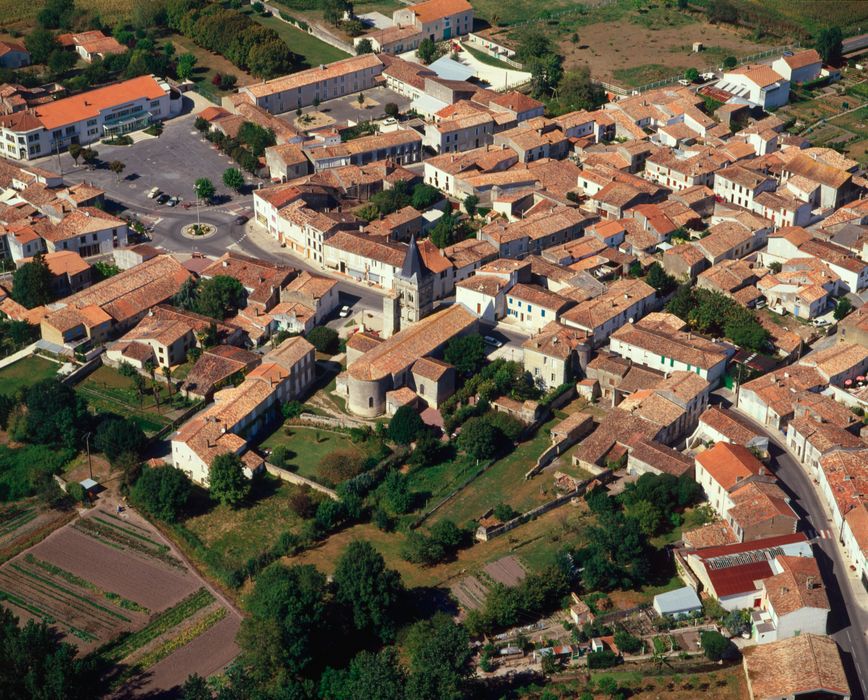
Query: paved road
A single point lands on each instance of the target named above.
(848, 621)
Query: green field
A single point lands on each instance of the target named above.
(307, 447)
(485, 58)
(636, 76)
(107, 391)
(26, 372)
(312, 50)
(504, 482)
(232, 536)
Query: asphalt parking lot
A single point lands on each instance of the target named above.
(173, 162)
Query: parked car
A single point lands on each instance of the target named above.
(492, 341)
(173, 202)
(344, 312)
(240, 220)
(153, 192)
(163, 198)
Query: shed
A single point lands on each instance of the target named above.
(89, 485)
(678, 603)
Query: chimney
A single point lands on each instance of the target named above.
(809, 583)
(225, 263)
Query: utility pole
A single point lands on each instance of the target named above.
(89, 461)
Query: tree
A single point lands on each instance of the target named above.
(775, 267)
(842, 308)
(443, 233)
(427, 50)
(269, 58)
(608, 686)
(394, 493)
(204, 189)
(829, 46)
(691, 74)
(287, 617)
(57, 14)
(186, 63)
(324, 339)
(74, 152)
(478, 438)
(31, 283)
(439, 653)
(218, 296)
(427, 452)
(424, 196)
(365, 46)
(627, 642)
(391, 110)
(60, 61)
(340, 465)
(730, 62)
(504, 512)
(715, 645)
(577, 91)
(546, 72)
(368, 590)
(466, 353)
(195, 688)
(722, 12)
(56, 415)
(361, 99)
(471, 201)
(37, 665)
(116, 437)
(233, 179)
(117, 167)
(658, 279)
(185, 298)
(510, 428)
(256, 137)
(371, 676)
(162, 491)
(89, 156)
(227, 481)
(40, 43)
(405, 426)
(333, 10)
(533, 44)
(202, 124)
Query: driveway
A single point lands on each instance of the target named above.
(848, 619)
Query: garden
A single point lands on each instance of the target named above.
(25, 372)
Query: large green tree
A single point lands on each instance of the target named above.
(370, 676)
(163, 492)
(368, 590)
(466, 353)
(56, 415)
(405, 426)
(219, 296)
(116, 437)
(829, 46)
(478, 438)
(204, 189)
(31, 283)
(233, 178)
(439, 652)
(226, 480)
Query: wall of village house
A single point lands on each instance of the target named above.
(550, 371)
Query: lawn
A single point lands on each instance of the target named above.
(107, 391)
(235, 535)
(504, 482)
(26, 372)
(486, 58)
(312, 50)
(307, 447)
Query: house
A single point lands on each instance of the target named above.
(402, 146)
(318, 293)
(646, 456)
(673, 403)
(843, 481)
(91, 44)
(535, 139)
(811, 439)
(838, 363)
(387, 365)
(760, 510)
(286, 162)
(434, 380)
(794, 601)
(321, 83)
(469, 255)
(800, 67)
(555, 354)
(684, 262)
(733, 573)
(392, 40)
(87, 231)
(438, 20)
(105, 112)
(817, 169)
(460, 133)
(717, 424)
(682, 602)
(623, 301)
(758, 84)
(531, 307)
(771, 398)
(13, 55)
(114, 305)
(803, 288)
(739, 185)
(716, 534)
(663, 345)
(483, 295)
(69, 273)
(216, 367)
(723, 468)
(806, 666)
(167, 340)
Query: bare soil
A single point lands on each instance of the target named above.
(612, 46)
(508, 571)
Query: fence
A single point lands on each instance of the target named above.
(171, 427)
(80, 373)
(452, 494)
(206, 91)
(299, 480)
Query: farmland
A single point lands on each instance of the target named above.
(109, 583)
(26, 372)
(14, 12)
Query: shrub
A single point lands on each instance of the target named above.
(603, 659)
(341, 465)
(324, 339)
(406, 425)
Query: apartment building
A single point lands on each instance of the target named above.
(108, 111)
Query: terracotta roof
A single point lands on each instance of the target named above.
(516, 101)
(803, 664)
(432, 10)
(802, 59)
(836, 359)
(728, 464)
(729, 424)
(659, 456)
(538, 296)
(735, 580)
(64, 262)
(405, 347)
(691, 349)
(363, 342)
(762, 75)
(469, 252)
(756, 503)
(711, 535)
(88, 105)
(430, 368)
(311, 76)
(619, 296)
(554, 340)
(315, 286)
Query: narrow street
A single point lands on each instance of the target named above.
(848, 620)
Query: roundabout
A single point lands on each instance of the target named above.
(199, 231)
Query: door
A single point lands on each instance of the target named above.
(447, 33)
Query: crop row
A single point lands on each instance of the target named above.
(133, 533)
(46, 617)
(115, 538)
(14, 518)
(170, 646)
(71, 578)
(58, 603)
(172, 617)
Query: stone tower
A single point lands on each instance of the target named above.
(414, 288)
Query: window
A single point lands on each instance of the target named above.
(370, 402)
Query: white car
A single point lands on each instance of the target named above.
(344, 312)
(153, 192)
(492, 341)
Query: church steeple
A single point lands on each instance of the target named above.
(413, 265)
